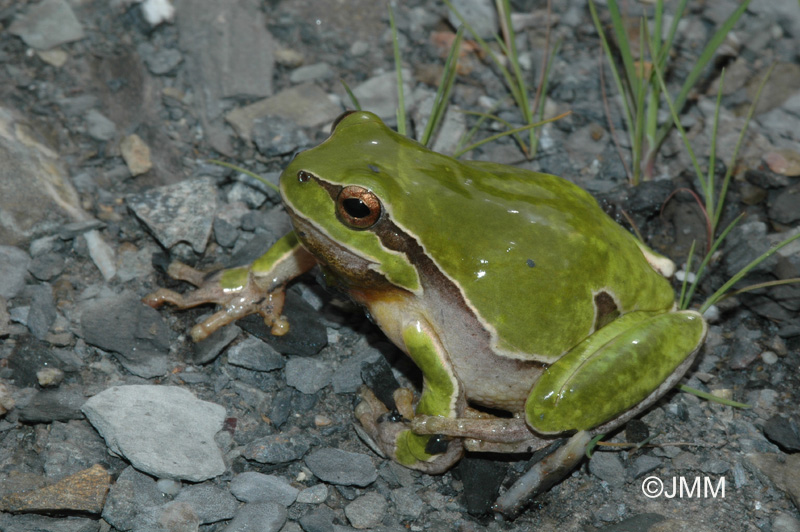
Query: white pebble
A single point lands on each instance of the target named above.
(769, 357)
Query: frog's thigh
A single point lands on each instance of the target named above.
(615, 369)
(441, 390)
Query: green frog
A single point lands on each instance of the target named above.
(510, 289)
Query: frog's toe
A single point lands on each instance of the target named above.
(184, 272)
(391, 433)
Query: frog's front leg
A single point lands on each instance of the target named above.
(616, 373)
(442, 395)
(257, 289)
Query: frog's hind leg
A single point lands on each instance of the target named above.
(616, 372)
(442, 396)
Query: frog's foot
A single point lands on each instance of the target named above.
(234, 290)
(392, 434)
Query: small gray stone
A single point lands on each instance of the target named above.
(48, 24)
(306, 104)
(72, 447)
(480, 14)
(785, 523)
(347, 378)
(311, 72)
(608, 467)
(315, 494)
(129, 496)
(785, 431)
(47, 266)
(43, 523)
(783, 205)
(211, 347)
(276, 136)
(176, 516)
(77, 105)
(14, 264)
(745, 242)
(136, 333)
(258, 517)
(715, 466)
(366, 511)
(163, 430)
(99, 127)
(407, 502)
(225, 233)
(379, 94)
(359, 48)
(251, 486)
(42, 312)
(254, 354)
(318, 520)
(210, 503)
(342, 467)
(169, 486)
(278, 448)
(307, 375)
(47, 406)
(183, 212)
(645, 464)
(159, 61)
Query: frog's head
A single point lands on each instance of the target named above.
(340, 196)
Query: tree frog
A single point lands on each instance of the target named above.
(511, 290)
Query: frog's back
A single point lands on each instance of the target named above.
(540, 263)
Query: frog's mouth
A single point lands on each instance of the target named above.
(352, 269)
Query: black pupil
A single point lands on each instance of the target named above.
(355, 208)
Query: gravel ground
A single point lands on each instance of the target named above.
(112, 419)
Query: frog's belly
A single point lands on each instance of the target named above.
(488, 379)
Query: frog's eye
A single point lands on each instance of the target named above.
(358, 207)
(339, 119)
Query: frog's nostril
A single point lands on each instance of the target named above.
(303, 176)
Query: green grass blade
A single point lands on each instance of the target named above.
(398, 66)
(623, 44)
(729, 172)
(702, 61)
(673, 109)
(712, 398)
(673, 29)
(709, 185)
(716, 296)
(626, 103)
(767, 284)
(246, 172)
(442, 97)
(504, 12)
(701, 269)
(542, 97)
(682, 304)
(350, 95)
(509, 132)
(511, 82)
(658, 24)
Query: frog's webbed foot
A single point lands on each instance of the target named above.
(247, 298)
(256, 289)
(392, 434)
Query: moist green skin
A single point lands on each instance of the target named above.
(539, 242)
(508, 288)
